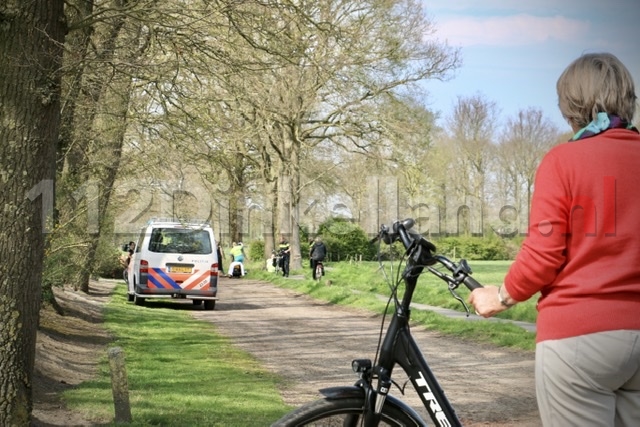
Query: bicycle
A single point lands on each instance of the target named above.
(367, 402)
(319, 271)
(276, 257)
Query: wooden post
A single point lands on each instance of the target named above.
(119, 385)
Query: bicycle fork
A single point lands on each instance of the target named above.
(400, 347)
(374, 398)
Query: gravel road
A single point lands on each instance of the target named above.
(311, 344)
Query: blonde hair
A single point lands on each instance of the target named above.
(594, 83)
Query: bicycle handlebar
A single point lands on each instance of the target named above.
(471, 283)
(421, 252)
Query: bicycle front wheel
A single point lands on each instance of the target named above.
(344, 412)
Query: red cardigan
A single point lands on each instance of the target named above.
(582, 252)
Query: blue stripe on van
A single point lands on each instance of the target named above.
(166, 277)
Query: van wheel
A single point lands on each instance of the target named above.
(138, 301)
(197, 301)
(209, 304)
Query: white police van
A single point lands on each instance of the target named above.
(174, 259)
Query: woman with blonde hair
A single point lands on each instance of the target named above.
(582, 254)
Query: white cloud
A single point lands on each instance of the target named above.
(514, 30)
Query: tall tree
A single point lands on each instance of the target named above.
(103, 49)
(31, 39)
(471, 128)
(331, 67)
(525, 139)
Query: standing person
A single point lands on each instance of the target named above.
(317, 253)
(284, 251)
(582, 254)
(220, 258)
(130, 250)
(126, 260)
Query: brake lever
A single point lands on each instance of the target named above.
(383, 235)
(452, 289)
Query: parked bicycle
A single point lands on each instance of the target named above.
(277, 261)
(367, 403)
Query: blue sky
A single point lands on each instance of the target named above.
(514, 51)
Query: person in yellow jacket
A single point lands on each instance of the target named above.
(237, 258)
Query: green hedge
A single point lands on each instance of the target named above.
(256, 250)
(345, 239)
(475, 248)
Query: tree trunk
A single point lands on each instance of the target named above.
(102, 131)
(284, 202)
(236, 201)
(269, 211)
(236, 214)
(294, 206)
(31, 39)
(269, 217)
(76, 44)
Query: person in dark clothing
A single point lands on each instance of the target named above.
(220, 259)
(130, 250)
(125, 261)
(284, 250)
(317, 253)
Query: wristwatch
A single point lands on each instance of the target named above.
(502, 300)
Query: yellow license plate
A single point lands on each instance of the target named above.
(179, 269)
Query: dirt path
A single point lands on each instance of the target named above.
(68, 351)
(311, 344)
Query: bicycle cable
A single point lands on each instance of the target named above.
(392, 287)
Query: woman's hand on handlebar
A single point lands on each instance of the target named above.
(486, 301)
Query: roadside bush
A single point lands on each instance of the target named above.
(387, 252)
(513, 246)
(305, 246)
(60, 267)
(65, 261)
(66, 258)
(474, 248)
(107, 263)
(344, 239)
(256, 250)
(305, 238)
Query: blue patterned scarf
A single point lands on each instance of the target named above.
(602, 122)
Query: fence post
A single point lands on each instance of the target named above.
(119, 385)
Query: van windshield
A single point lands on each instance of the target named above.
(180, 240)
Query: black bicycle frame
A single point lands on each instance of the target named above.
(400, 348)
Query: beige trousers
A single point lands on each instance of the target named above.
(589, 380)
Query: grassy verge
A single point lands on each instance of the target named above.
(180, 374)
(358, 284)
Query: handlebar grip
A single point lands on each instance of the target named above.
(471, 283)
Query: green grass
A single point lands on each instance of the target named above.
(180, 373)
(357, 284)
